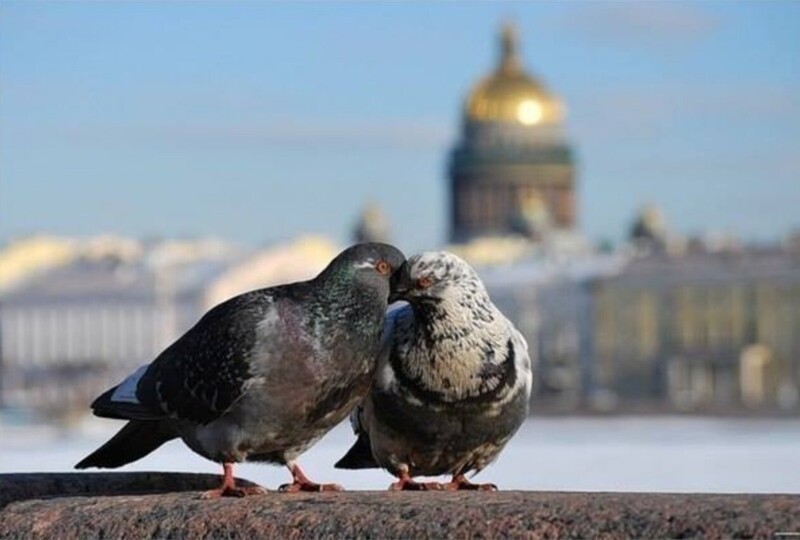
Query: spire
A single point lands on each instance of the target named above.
(372, 225)
(509, 57)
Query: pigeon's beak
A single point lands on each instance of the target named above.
(400, 283)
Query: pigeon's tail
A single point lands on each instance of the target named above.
(134, 441)
(359, 456)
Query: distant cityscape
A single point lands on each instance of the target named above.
(659, 324)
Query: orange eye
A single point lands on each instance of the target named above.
(383, 268)
(424, 282)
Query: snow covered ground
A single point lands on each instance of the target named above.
(587, 454)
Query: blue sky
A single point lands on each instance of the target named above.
(258, 121)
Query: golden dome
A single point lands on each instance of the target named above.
(511, 95)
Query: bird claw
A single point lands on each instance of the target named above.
(228, 491)
(462, 484)
(454, 486)
(300, 482)
(411, 485)
(229, 487)
(312, 487)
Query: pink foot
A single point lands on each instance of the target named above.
(405, 483)
(229, 488)
(234, 492)
(295, 487)
(460, 482)
(300, 482)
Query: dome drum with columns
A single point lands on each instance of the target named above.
(512, 172)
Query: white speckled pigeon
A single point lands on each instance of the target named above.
(262, 376)
(452, 383)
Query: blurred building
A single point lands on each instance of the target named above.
(31, 256)
(372, 225)
(549, 298)
(663, 323)
(649, 230)
(300, 259)
(703, 330)
(512, 171)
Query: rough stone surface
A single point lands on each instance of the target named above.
(157, 505)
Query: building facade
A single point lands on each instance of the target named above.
(512, 172)
(701, 330)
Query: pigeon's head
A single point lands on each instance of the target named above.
(435, 276)
(369, 264)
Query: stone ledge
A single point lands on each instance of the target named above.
(163, 505)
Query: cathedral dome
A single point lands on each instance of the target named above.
(509, 94)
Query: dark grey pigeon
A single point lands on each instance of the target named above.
(452, 384)
(262, 376)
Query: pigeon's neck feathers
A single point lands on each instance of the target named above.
(450, 318)
(340, 286)
(452, 349)
(339, 296)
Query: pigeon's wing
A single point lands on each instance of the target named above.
(208, 370)
(522, 357)
(389, 321)
(202, 374)
(360, 454)
(356, 419)
(393, 314)
(121, 401)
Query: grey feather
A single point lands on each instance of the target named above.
(265, 374)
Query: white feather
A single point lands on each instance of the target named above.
(369, 263)
(126, 390)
